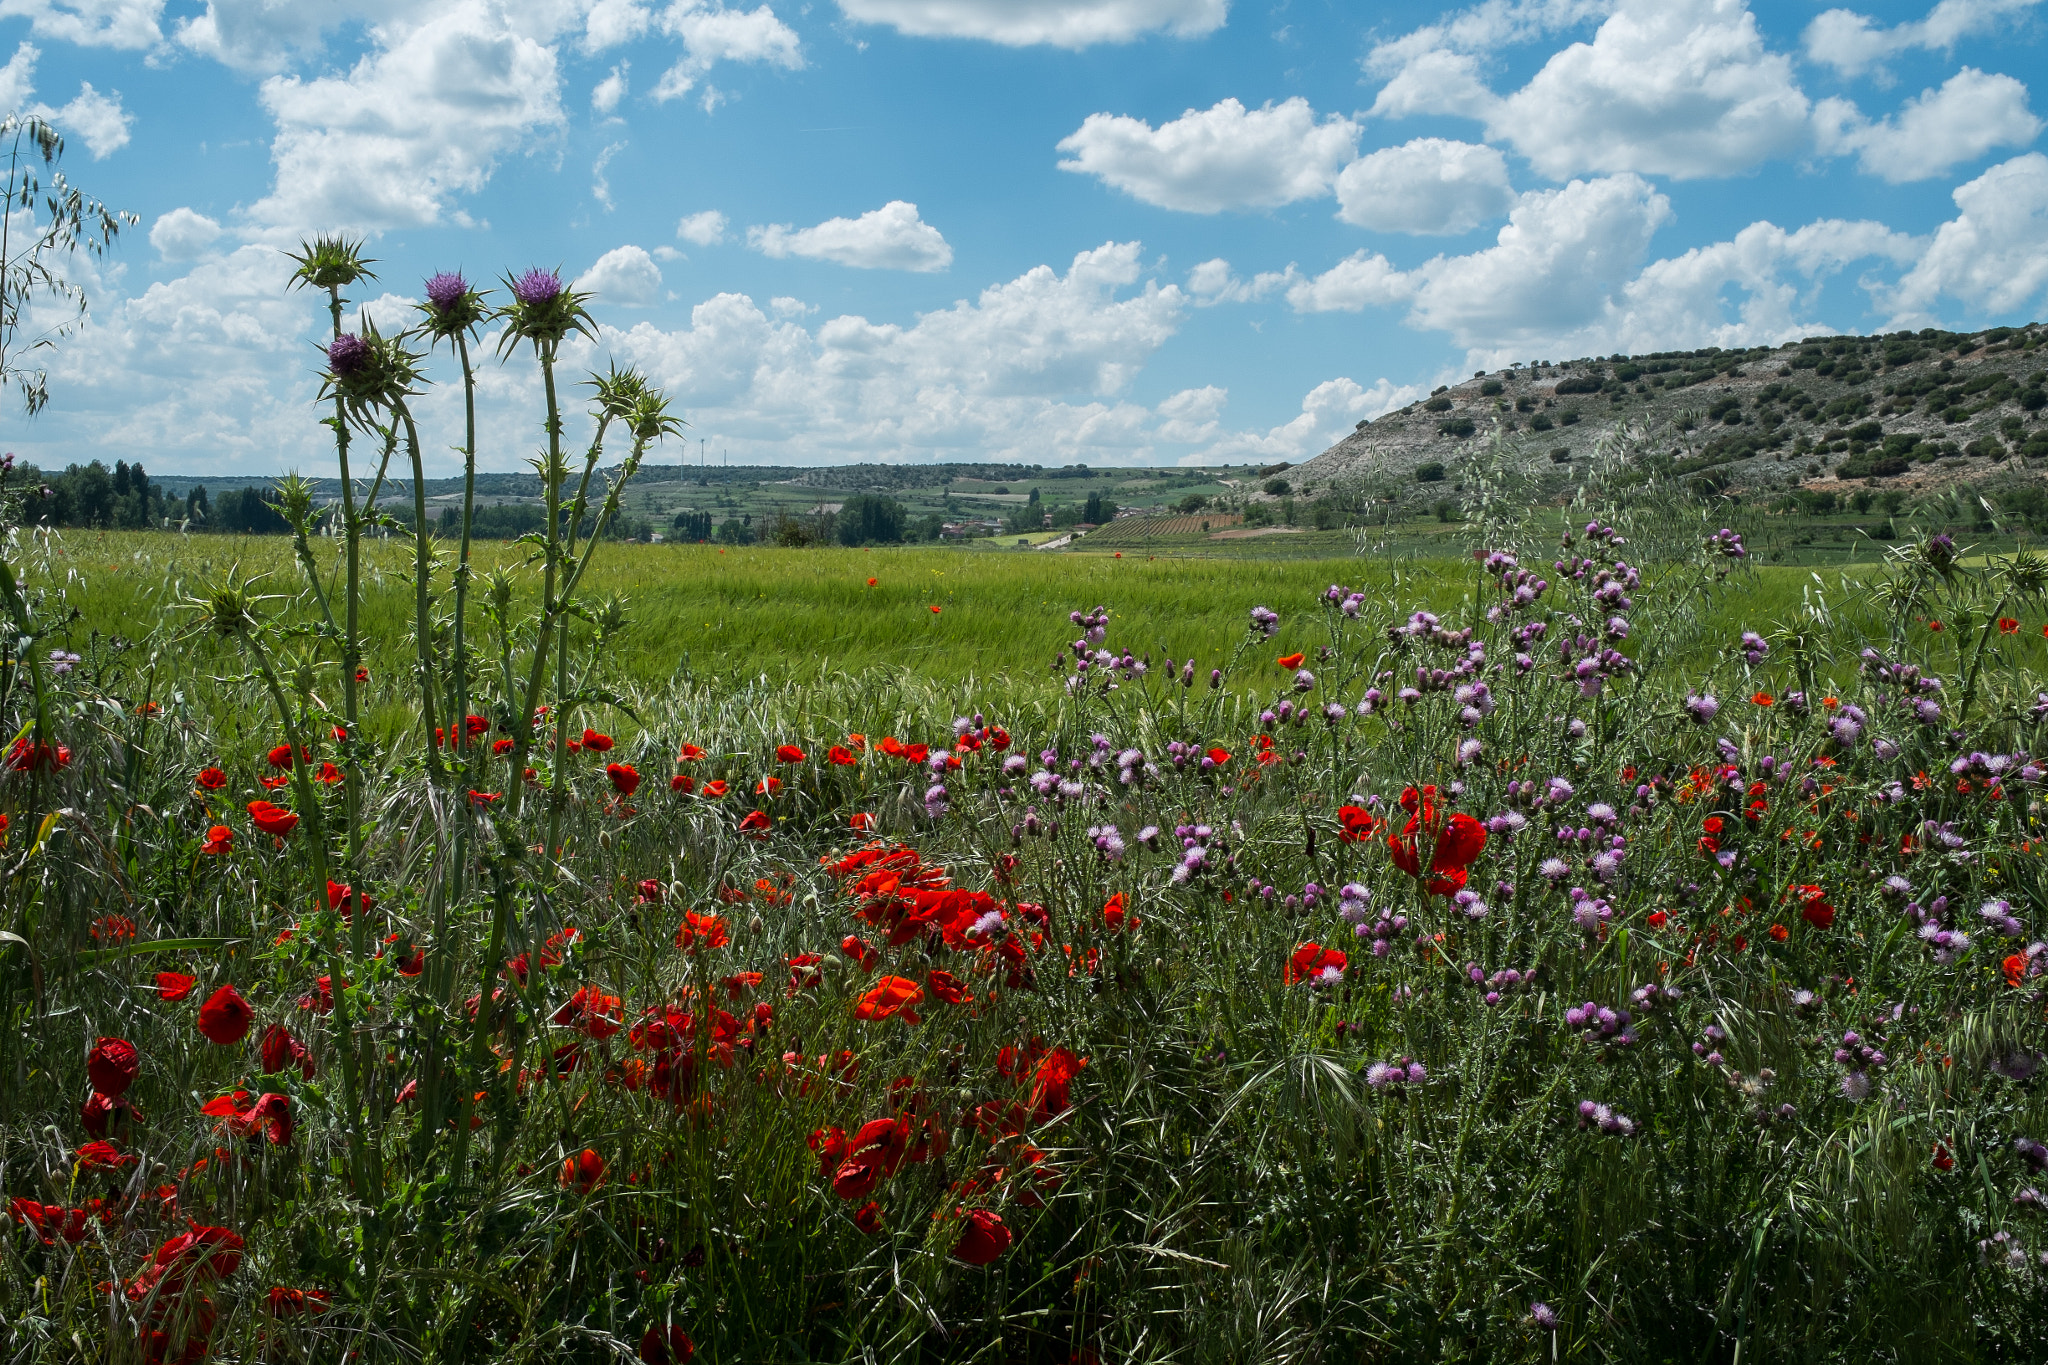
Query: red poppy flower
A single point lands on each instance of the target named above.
(788, 753)
(947, 987)
(343, 897)
(689, 753)
(682, 782)
(1779, 933)
(112, 1066)
(25, 757)
(112, 929)
(225, 1017)
(413, 963)
(756, 824)
(273, 819)
(935, 609)
(1290, 661)
(2008, 626)
(666, 1346)
(983, 1239)
(715, 788)
(768, 786)
(1310, 961)
(1934, 626)
(1051, 1080)
(2015, 969)
(830, 1145)
(860, 951)
(1116, 916)
(293, 1303)
(175, 985)
(869, 1219)
(590, 1012)
(861, 820)
(583, 1172)
(872, 1156)
(1359, 824)
(483, 799)
(840, 756)
(1459, 841)
(271, 784)
(871, 582)
(595, 742)
(892, 995)
(625, 778)
(281, 1050)
(649, 892)
(1814, 907)
(709, 931)
(1219, 756)
(1942, 1160)
(102, 1156)
(329, 774)
(1763, 699)
(204, 1254)
(211, 779)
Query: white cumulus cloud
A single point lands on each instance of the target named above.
(1054, 23)
(18, 77)
(1993, 255)
(704, 229)
(1364, 279)
(183, 234)
(1329, 412)
(1681, 88)
(711, 33)
(624, 277)
(91, 23)
(1852, 43)
(606, 94)
(1429, 186)
(1971, 114)
(97, 118)
(415, 123)
(1223, 157)
(1212, 282)
(891, 237)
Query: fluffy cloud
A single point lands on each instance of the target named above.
(267, 35)
(1056, 23)
(1428, 186)
(419, 121)
(1330, 412)
(183, 235)
(1852, 43)
(1224, 157)
(1361, 280)
(1561, 255)
(892, 237)
(624, 277)
(1212, 282)
(91, 23)
(1667, 87)
(606, 94)
(18, 77)
(705, 229)
(1552, 268)
(1971, 114)
(1993, 255)
(97, 118)
(711, 33)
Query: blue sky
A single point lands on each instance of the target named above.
(1110, 231)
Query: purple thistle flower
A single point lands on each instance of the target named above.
(537, 287)
(347, 354)
(445, 289)
(1544, 1316)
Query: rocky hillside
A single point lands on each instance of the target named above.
(1907, 410)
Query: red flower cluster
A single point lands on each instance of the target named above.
(1456, 841)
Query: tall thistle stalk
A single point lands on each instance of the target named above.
(453, 313)
(542, 313)
(624, 397)
(334, 264)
